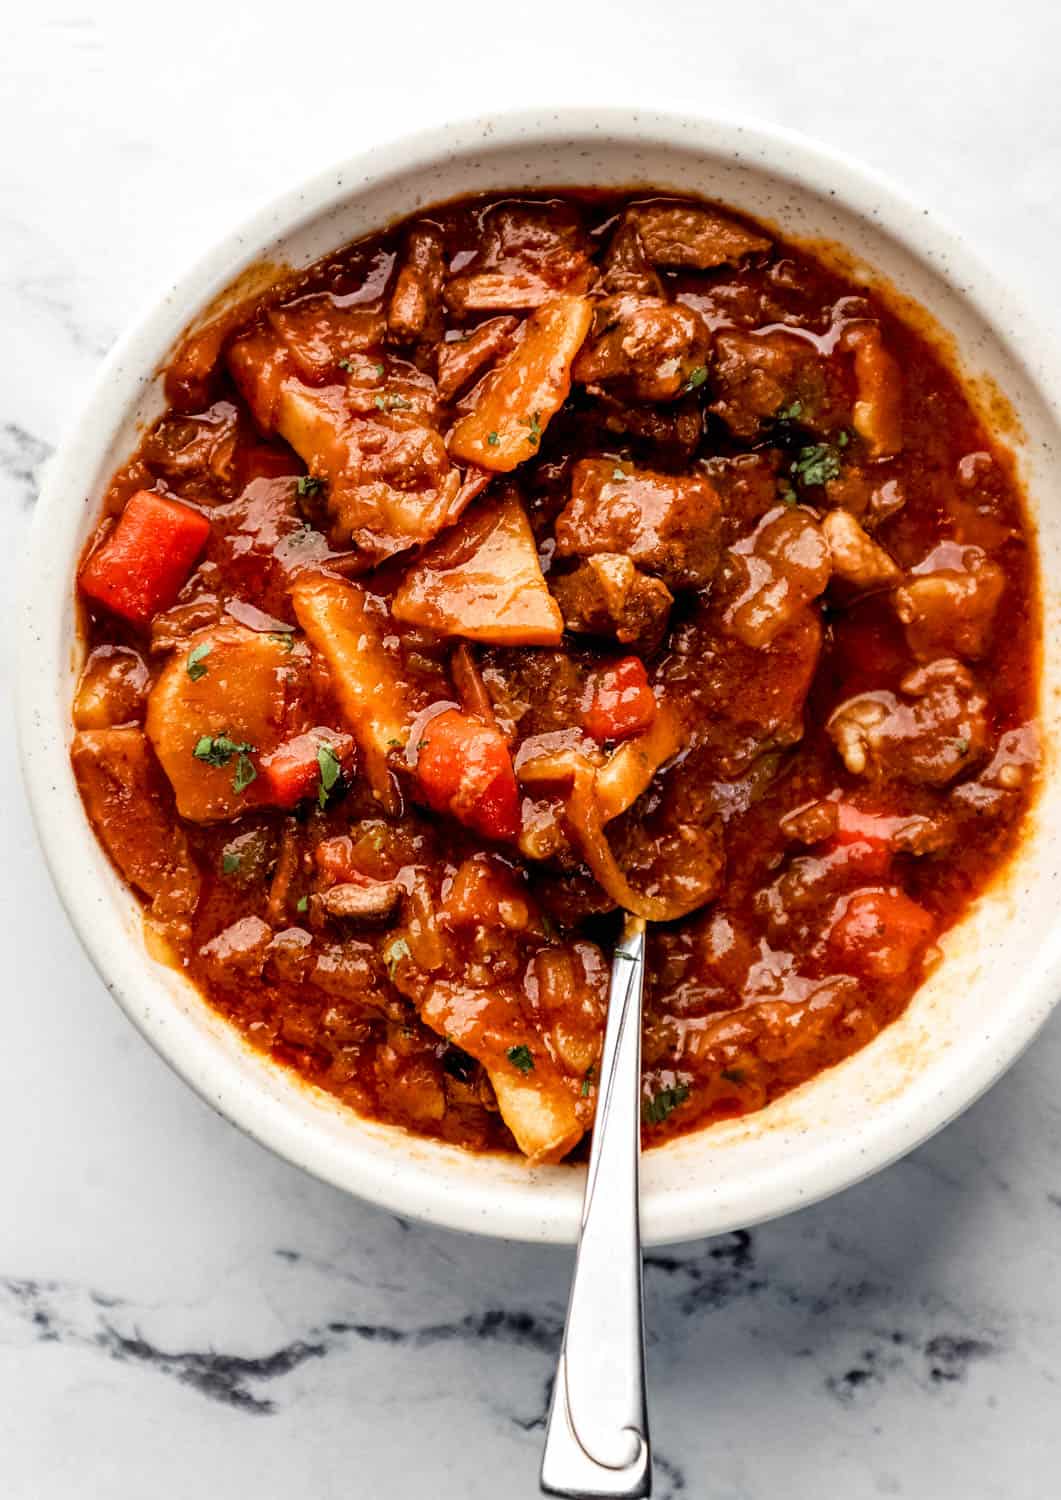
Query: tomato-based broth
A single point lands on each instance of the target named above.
(537, 560)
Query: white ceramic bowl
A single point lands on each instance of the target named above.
(1002, 972)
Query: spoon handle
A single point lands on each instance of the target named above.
(596, 1440)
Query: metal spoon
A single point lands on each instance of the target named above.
(596, 1440)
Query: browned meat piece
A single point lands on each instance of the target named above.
(770, 576)
(674, 848)
(626, 267)
(201, 447)
(650, 350)
(527, 252)
(461, 360)
(318, 333)
(667, 524)
(949, 606)
(608, 595)
(864, 495)
(362, 898)
(857, 559)
(756, 376)
(416, 299)
(131, 810)
(112, 690)
(239, 952)
(674, 430)
(747, 700)
(878, 411)
(679, 234)
(928, 741)
(747, 486)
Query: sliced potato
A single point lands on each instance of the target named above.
(216, 709)
(483, 581)
(536, 1103)
(124, 795)
(347, 625)
(526, 390)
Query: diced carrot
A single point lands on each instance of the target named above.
(880, 933)
(295, 769)
(619, 701)
(465, 769)
(144, 563)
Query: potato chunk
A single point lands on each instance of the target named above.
(347, 625)
(126, 800)
(215, 710)
(483, 581)
(526, 390)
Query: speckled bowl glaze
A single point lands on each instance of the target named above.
(1002, 970)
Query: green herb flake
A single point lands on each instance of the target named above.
(306, 484)
(330, 766)
(492, 439)
(790, 413)
(961, 744)
(534, 436)
(521, 1058)
(218, 749)
(302, 904)
(229, 863)
(347, 365)
(390, 402)
(548, 927)
(378, 371)
(620, 474)
(786, 494)
(843, 437)
(816, 464)
(285, 638)
(697, 378)
(658, 1107)
(587, 1082)
(196, 657)
(244, 773)
(393, 956)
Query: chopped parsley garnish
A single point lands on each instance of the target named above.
(790, 413)
(816, 464)
(307, 484)
(534, 436)
(393, 956)
(656, 1108)
(346, 364)
(285, 638)
(389, 402)
(697, 378)
(330, 767)
(548, 926)
(378, 371)
(786, 494)
(619, 474)
(843, 437)
(587, 1082)
(302, 904)
(196, 656)
(395, 744)
(492, 439)
(229, 863)
(521, 1058)
(218, 750)
(961, 744)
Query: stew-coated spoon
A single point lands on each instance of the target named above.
(596, 1440)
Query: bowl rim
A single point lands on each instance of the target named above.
(918, 1112)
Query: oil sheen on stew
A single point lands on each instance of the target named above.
(536, 559)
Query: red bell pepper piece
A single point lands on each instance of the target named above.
(619, 701)
(465, 769)
(880, 933)
(146, 560)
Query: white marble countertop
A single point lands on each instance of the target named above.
(183, 1315)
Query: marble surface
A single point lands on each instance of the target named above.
(180, 1313)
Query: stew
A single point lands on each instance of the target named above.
(536, 559)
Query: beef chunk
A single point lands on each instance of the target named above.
(666, 524)
(936, 730)
(527, 252)
(681, 234)
(416, 299)
(757, 376)
(648, 349)
(770, 576)
(949, 606)
(608, 595)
